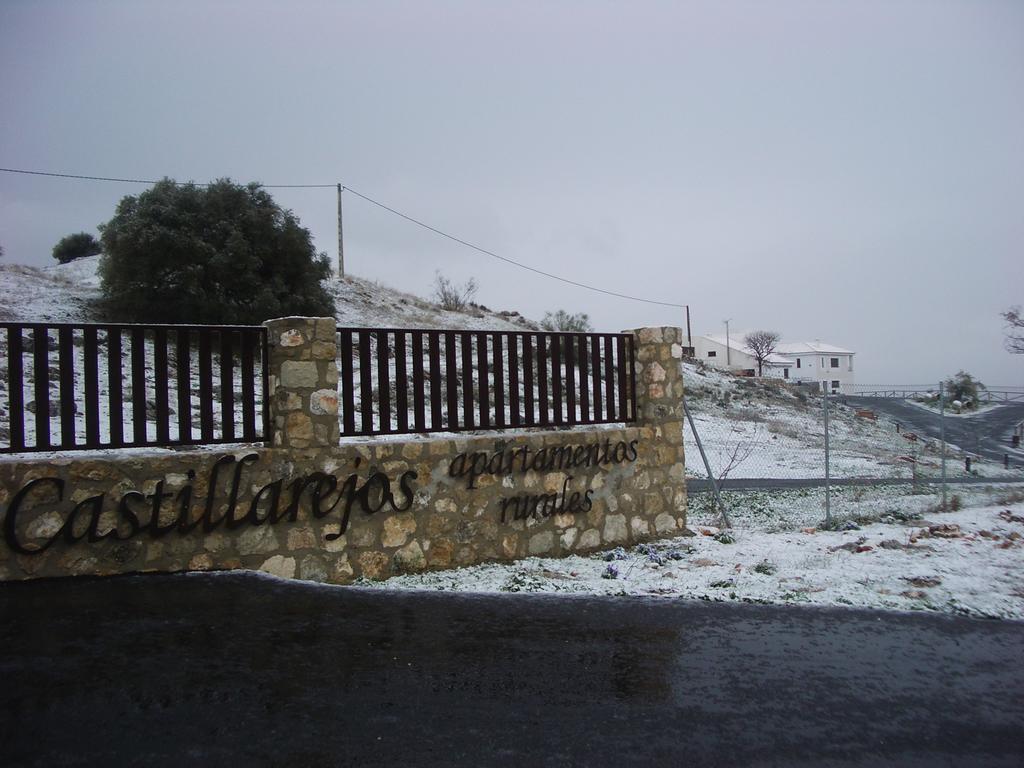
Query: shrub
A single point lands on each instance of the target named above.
(562, 321)
(76, 246)
(223, 253)
(963, 387)
(452, 297)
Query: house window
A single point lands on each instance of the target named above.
(851, 363)
(785, 373)
(712, 354)
(834, 362)
(798, 362)
(823, 362)
(835, 385)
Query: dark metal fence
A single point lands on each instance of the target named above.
(400, 381)
(70, 386)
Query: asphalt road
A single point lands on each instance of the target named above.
(987, 433)
(698, 485)
(235, 669)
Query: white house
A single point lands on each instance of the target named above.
(828, 366)
(737, 357)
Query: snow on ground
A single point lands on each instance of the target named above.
(965, 562)
(58, 294)
(64, 292)
(753, 428)
(367, 304)
(949, 411)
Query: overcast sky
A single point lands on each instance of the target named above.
(844, 171)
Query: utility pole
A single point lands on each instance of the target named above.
(341, 240)
(689, 338)
(728, 355)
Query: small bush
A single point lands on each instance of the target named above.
(76, 246)
(451, 296)
(963, 388)
(562, 322)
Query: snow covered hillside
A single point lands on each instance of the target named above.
(66, 293)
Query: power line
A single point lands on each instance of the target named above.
(150, 181)
(379, 204)
(508, 260)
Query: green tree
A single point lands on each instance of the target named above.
(223, 253)
(562, 321)
(965, 388)
(76, 246)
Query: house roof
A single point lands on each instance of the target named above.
(812, 347)
(784, 350)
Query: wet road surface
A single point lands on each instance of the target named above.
(987, 433)
(237, 669)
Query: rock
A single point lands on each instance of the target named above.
(312, 568)
(542, 543)
(292, 338)
(297, 374)
(201, 562)
(410, 558)
(374, 565)
(590, 539)
(301, 538)
(615, 528)
(640, 527)
(568, 538)
(258, 540)
(664, 523)
(397, 530)
(923, 581)
(324, 402)
(279, 565)
(891, 544)
(849, 525)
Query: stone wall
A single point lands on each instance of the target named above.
(313, 509)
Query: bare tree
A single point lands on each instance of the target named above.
(1015, 330)
(761, 344)
(451, 296)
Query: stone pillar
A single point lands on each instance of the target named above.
(659, 408)
(303, 376)
(659, 376)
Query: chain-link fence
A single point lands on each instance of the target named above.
(775, 464)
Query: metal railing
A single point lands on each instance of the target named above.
(394, 381)
(74, 386)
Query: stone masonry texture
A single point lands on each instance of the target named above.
(411, 504)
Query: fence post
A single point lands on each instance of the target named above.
(942, 426)
(303, 382)
(828, 493)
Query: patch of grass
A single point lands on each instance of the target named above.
(765, 567)
(1010, 498)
